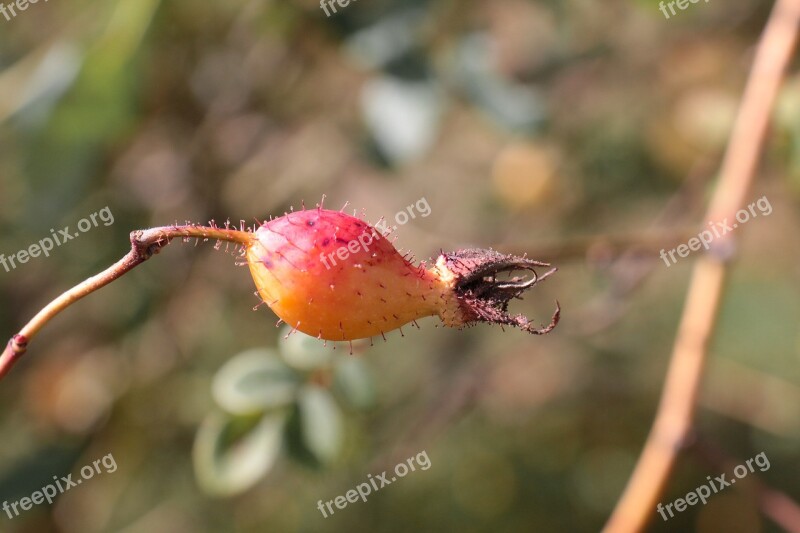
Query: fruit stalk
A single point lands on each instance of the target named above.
(144, 244)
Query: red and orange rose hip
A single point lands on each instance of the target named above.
(333, 276)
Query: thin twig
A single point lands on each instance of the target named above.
(144, 244)
(676, 410)
(649, 243)
(772, 403)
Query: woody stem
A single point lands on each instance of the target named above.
(144, 244)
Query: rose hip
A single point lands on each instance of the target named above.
(333, 276)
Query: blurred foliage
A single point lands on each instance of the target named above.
(273, 401)
(523, 123)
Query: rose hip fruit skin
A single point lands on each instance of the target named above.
(333, 276)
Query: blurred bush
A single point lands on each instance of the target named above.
(531, 126)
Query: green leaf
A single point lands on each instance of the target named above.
(254, 381)
(353, 382)
(320, 423)
(303, 352)
(232, 453)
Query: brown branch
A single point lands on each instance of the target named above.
(144, 244)
(676, 409)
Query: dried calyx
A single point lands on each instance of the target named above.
(482, 297)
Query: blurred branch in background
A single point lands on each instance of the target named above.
(628, 258)
(458, 384)
(773, 503)
(602, 248)
(675, 416)
(772, 404)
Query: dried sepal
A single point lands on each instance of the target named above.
(482, 297)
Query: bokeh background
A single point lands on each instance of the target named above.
(585, 133)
